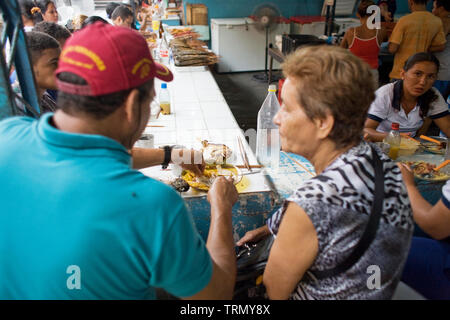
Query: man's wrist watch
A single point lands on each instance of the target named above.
(167, 156)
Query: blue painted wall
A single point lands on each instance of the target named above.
(244, 8)
(288, 8)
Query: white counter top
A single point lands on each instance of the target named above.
(199, 112)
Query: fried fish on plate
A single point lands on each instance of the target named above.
(214, 153)
(210, 173)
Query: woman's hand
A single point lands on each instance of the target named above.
(408, 175)
(254, 235)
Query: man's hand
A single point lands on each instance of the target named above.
(223, 193)
(191, 160)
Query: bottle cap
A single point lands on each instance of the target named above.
(272, 88)
(395, 126)
(163, 85)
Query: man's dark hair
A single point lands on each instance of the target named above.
(43, 4)
(443, 3)
(420, 1)
(92, 20)
(25, 10)
(110, 7)
(98, 107)
(53, 29)
(122, 12)
(37, 42)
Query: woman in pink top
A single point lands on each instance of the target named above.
(364, 42)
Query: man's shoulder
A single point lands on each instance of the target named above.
(427, 16)
(15, 121)
(11, 125)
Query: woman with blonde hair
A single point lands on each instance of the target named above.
(353, 219)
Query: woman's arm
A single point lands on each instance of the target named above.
(293, 252)
(434, 220)
(444, 124)
(371, 133)
(424, 128)
(345, 43)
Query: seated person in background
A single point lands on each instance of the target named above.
(419, 31)
(409, 101)
(31, 14)
(78, 21)
(45, 51)
(441, 9)
(85, 208)
(364, 42)
(427, 269)
(92, 20)
(48, 10)
(110, 7)
(144, 17)
(387, 8)
(60, 33)
(319, 225)
(122, 17)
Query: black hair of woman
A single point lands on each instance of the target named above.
(92, 20)
(43, 4)
(429, 96)
(30, 10)
(110, 7)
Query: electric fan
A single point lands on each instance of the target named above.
(266, 18)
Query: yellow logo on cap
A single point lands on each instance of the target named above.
(86, 52)
(166, 73)
(145, 70)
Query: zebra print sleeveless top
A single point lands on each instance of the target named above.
(338, 202)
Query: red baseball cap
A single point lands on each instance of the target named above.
(110, 59)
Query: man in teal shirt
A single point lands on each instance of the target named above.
(76, 221)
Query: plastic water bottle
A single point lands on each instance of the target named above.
(267, 135)
(393, 139)
(164, 99)
(164, 53)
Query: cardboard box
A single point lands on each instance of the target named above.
(196, 14)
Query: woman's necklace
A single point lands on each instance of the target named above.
(408, 106)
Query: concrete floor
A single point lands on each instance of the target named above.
(244, 95)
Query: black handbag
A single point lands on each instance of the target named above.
(251, 262)
(252, 257)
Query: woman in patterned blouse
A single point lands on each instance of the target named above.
(325, 100)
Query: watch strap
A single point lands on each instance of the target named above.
(167, 156)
